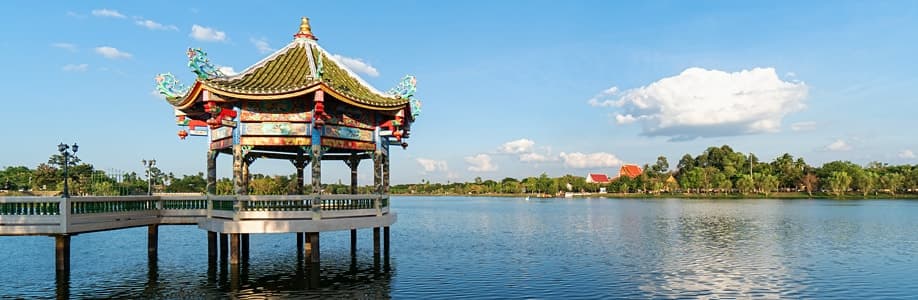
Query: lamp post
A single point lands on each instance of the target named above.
(63, 149)
(149, 165)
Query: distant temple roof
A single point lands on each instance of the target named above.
(597, 178)
(297, 69)
(631, 171)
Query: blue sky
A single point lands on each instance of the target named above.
(510, 88)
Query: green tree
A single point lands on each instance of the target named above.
(745, 184)
(892, 182)
(839, 182)
(809, 182)
(864, 181)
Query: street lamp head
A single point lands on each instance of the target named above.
(144, 162)
(62, 147)
(152, 162)
(75, 147)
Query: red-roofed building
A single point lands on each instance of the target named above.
(597, 178)
(631, 171)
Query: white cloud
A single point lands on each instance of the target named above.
(480, 163)
(838, 145)
(228, 71)
(153, 25)
(207, 34)
(66, 46)
(109, 13)
(534, 157)
(803, 126)
(604, 95)
(75, 67)
(906, 154)
(517, 146)
(112, 53)
(707, 103)
(590, 160)
(431, 165)
(262, 45)
(357, 65)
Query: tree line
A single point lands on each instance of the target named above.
(717, 170)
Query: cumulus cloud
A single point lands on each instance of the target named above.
(517, 146)
(207, 34)
(803, 126)
(838, 145)
(906, 154)
(707, 103)
(112, 52)
(66, 46)
(357, 65)
(535, 157)
(262, 45)
(480, 163)
(75, 67)
(590, 160)
(430, 165)
(153, 25)
(108, 13)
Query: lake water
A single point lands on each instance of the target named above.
(500, 248)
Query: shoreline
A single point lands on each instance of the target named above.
(776, 196)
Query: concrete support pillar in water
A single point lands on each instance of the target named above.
(152, 241)
(299, 244)
(62, 254)
(224, 247)
(353, 243)
(234, 248)
(376, 242)
(245, 247)
(313, 249)
(211, 246)
(386, 243)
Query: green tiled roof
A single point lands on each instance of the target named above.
(290, 70)
(341, 81)
(287, 72)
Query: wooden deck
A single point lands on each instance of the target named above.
(221, 214)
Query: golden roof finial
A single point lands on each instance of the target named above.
(305, 30)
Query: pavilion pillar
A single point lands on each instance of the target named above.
(385, 170)
(246, 177)
(212, 172)
(353, 162)
(300, 163)
(239, 187)
(377, 178)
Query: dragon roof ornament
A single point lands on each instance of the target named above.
(170, 87)
(200, 65)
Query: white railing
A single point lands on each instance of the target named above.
(52, 215)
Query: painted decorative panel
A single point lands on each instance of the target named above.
(278, 110)
(345, 144)
(274, 141)
(221, 133)
(351, 116)
(275, 128)
(221, 144)
(350, 133)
